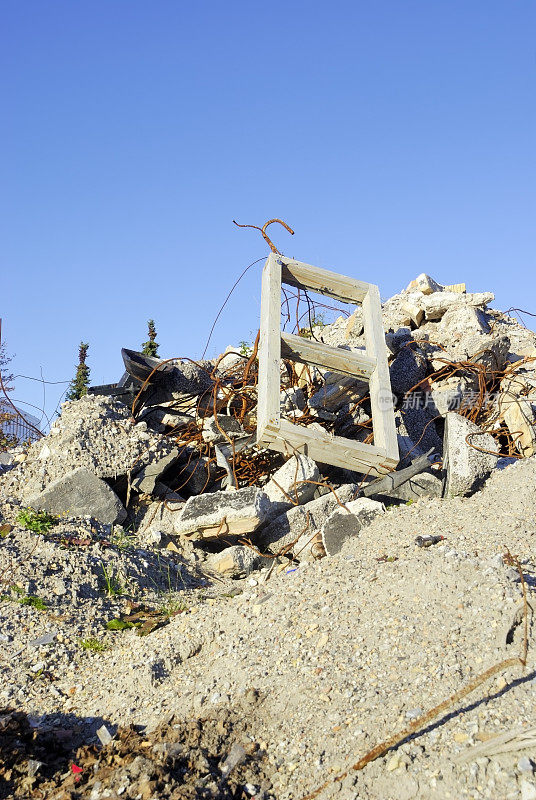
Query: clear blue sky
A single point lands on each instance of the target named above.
(394, 136)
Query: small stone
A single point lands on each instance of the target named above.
(47, 638)
(525, 764)
(105, 737)
(393, 763)
(460, 737)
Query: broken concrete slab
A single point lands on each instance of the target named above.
(466, 467)
(237, 561)
(287, 485)
(145, 480)
(224, 514)
(78, 494)
(438, 303)
(302, 520)
(421, 486)
(345, 524)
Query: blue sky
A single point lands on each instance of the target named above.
(395, 137)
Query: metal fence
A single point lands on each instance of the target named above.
(12, 424)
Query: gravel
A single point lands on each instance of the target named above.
(341, 653)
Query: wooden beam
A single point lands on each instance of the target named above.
(383, 420)
(305, 276)
(327, 449)
(307, 351)
(268, 413)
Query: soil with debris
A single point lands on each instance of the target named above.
(169, 658)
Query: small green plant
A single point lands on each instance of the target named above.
(118, 625)
(37, 521)
(245, 348)
(33, 601)
(150, 347)
(80, 383)
(173, 606)
(122, 539)
(316, 321)
(112, 584)
(92, 644)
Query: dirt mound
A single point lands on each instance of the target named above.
(214, 757)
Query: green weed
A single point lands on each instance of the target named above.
(92, 644)
(37, 521)
(112, 585)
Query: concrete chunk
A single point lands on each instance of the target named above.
(78, 494)
(236, 562)
(303, 520)
(467, 468)
(146, 480)
(218, 514)
(342, 525)
(407, 370)
(436, 304)
(285, 482)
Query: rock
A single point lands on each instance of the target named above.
(525, 764)
(342, 525)
(285, 482)
(185, 379)
(467, 468)
(220, 514)
(303, 520)
(407, 370)
(236, 562)
(145, 481)
(80, 493)
(225, 429)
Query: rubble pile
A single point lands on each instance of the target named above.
(155, 561)
(179, 462)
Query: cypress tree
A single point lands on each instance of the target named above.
(150, 347)
(79, 385)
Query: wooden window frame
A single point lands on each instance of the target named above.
(280, 434)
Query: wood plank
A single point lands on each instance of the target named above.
(308, 351)
(323, 281)
(268, 414)
(326, 449)
(383, 421)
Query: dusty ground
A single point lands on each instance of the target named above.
(314, 666)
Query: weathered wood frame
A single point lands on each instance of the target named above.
(280, 434)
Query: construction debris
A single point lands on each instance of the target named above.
(162, 490)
